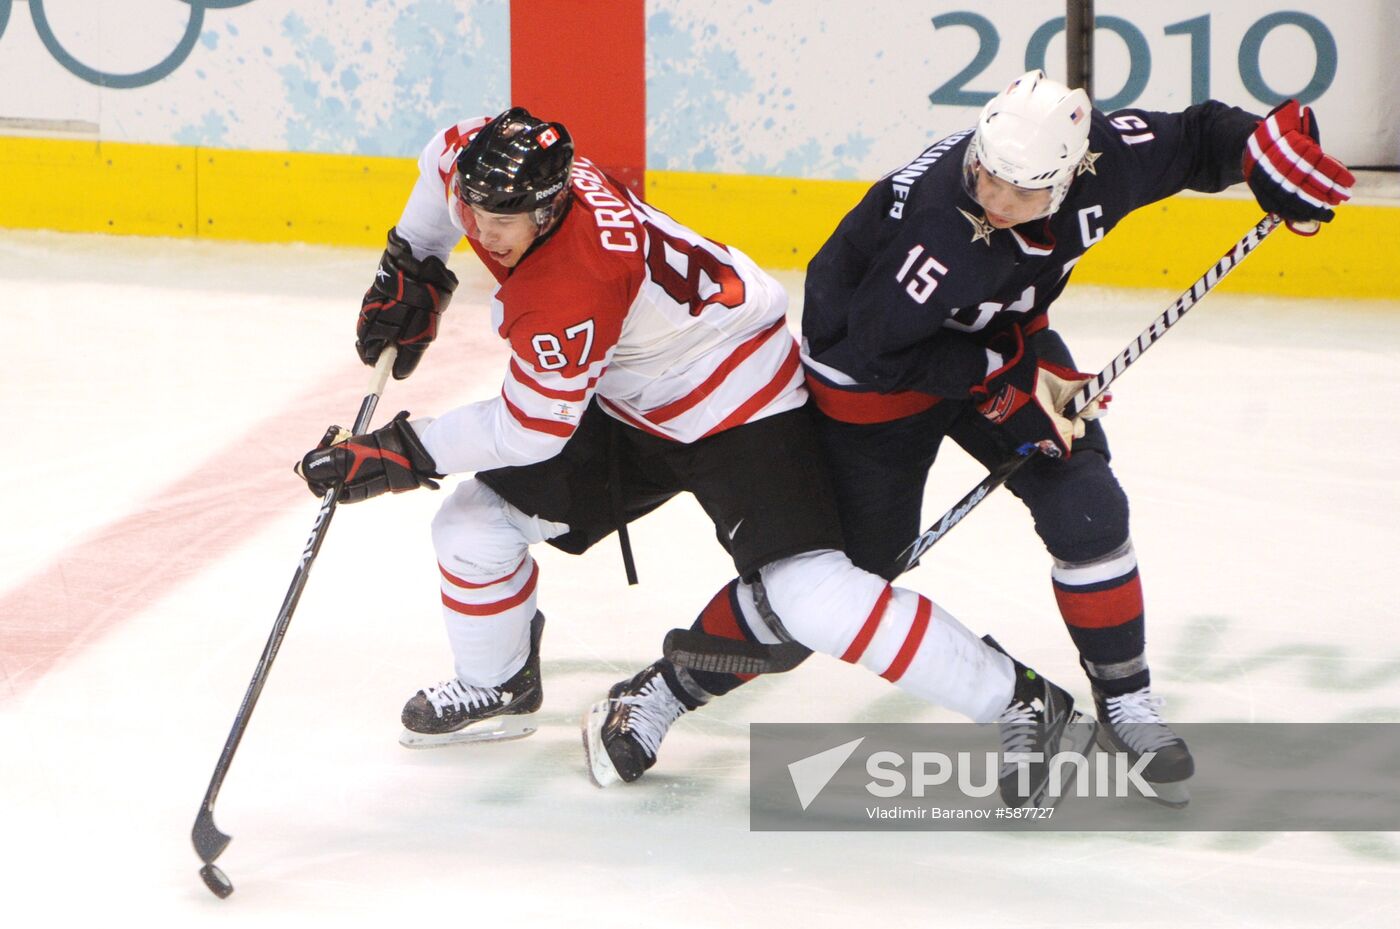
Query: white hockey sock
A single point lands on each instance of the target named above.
(488, 581)
(831, 606)
(488, 622)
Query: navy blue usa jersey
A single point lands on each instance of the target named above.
(907, 291)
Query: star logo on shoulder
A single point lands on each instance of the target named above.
(981, 229)
(381, 274)
(1086, 166)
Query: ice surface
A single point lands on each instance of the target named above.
(154, 395)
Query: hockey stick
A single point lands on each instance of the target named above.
(1097, 385)
(703, 652)
(209, 842)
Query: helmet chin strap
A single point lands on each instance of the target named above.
(1058, 191)
(555, 220)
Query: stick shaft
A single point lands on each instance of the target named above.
(208, 841)
(1098, 384)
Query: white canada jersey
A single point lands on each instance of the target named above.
(677, 335)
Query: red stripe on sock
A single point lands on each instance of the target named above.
(867, 631)
(718, 619)
(499, 606)
(1101, 609)
(911, 642)
(456, 581)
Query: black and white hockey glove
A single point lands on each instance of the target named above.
(1290, 174)
(1024, 395)
(403, 306)
(391, 459)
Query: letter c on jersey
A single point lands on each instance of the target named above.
(1090, 234)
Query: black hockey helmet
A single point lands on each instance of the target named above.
(516, 164)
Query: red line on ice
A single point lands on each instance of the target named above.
(122, 568)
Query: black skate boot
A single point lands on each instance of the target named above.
(1132, 724)
(622, 734)
(454, 712)
(1040, 719)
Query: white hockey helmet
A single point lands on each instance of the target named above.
(1033, 134)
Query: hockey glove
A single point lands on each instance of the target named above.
(1024, 395)
(403, 306)
(1289, 173)
(391, 459)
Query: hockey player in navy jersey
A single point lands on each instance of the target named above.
(926, 316)
(646, 361)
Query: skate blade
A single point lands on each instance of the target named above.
(1077, 737)
(495, 729)
(600, 767)
(1175, 795)
(1079, 733)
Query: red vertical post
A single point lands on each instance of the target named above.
(583, 63)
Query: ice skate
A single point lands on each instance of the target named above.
(453, 712)
(622, 734)
(1132, 723)
(1040, 718)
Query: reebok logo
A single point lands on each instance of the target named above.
(810, 775)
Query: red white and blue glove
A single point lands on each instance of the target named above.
(1025, 395)
(403, 305)
(391, 459)
(1289, 173)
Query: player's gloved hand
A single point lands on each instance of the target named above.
(403, 306)
(391, 459)
(1024, 395)
(1290, 174)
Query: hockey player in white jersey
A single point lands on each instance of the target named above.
(646, 360)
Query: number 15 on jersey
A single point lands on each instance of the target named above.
(925, 277)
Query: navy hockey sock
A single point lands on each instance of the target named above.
(722, 617)
(1105, 620)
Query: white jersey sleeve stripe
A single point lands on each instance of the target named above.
(564, 430)
(523, 378)
(483, 435)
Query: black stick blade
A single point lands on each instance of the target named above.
(209, 842)
(704, 652)
(216, 880)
